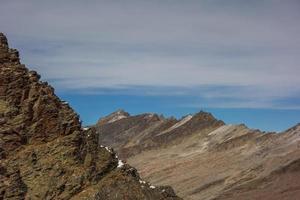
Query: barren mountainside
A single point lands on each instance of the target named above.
(203, 158)
(46, 154)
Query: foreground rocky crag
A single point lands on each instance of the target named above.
(45, 153)
(204, 159)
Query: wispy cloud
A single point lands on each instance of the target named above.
(231, 53)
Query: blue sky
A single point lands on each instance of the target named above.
(92, 107)
(237, 59)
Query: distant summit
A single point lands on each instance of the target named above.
(132, 134)
(115, 116)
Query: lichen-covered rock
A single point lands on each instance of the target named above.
(45, 153)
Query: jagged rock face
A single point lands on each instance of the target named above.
(30, 111)
(7, 55)
(45, 153)
(204, 159)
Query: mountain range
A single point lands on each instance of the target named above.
(203, 158)
(46, 153)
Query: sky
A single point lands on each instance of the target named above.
(238, 59)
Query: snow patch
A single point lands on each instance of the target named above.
(86, 128)
(152, 187)
(65, 102)
(178, 124)
(120, 164)
(221, 130)
(116, 118)
(183, 121)
(108, 149)
(148, 116)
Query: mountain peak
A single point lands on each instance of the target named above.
(121, 112)
(294, 129)
(202, 115)
(7, 55)
(113, 117)
(3, 40)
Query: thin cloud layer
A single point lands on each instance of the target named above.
(232, 53)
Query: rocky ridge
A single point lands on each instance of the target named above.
(203, 158)
(134, 134)
(46, 154)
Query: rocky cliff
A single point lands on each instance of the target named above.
(204, 159)
(46, 154)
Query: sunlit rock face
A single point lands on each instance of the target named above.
(46, 154)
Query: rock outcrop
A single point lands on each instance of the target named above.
(204, 159)
(46, 154)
